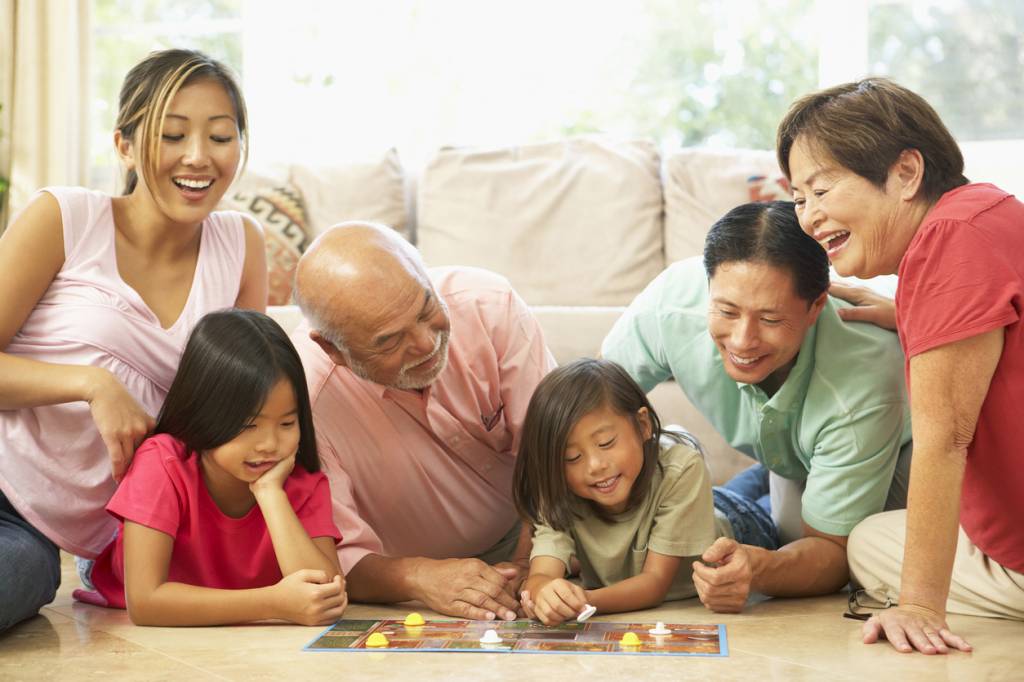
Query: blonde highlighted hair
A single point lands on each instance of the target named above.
(146, 95)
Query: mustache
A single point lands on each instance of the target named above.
(442, 338)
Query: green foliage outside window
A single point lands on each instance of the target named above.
(965, 58)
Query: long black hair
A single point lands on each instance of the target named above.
(232, 360)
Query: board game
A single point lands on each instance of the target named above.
(522, 637)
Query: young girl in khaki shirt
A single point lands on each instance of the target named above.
(593, 479)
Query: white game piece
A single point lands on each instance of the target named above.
(490, 637)
(586, 613)
(659, 630)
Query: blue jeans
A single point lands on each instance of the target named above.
(746, 502)
(29, 567)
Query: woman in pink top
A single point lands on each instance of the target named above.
(101, 293)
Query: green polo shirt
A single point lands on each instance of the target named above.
(837, 423)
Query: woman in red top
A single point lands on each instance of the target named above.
(225, 514)
(878, 182)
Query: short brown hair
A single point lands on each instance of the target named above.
(147, 92)
(865, 126)
(561, 399)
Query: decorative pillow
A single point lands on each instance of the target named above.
(279, 208)
(701, 185)
(576, 222)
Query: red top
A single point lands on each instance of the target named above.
(962, 276)
(164, 490)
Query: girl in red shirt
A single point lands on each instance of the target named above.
(225, 515)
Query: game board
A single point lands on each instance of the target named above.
(523, 637)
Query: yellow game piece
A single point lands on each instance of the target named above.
(377, 640)
(630, 639)
(414, 619)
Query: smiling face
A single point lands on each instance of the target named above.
(861, 226)
(403, 345)
(269, 437)
(199, 153)
(757, 321)
(605, 455)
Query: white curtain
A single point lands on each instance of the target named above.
(48, 127)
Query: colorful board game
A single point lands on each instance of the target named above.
(522, 637)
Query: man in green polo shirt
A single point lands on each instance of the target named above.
(753, 339)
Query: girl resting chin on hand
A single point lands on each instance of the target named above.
(225, 516)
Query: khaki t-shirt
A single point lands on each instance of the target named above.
(676, 519)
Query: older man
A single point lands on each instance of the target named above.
(419, 382)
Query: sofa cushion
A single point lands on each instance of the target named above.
(701, 185)
(278, 207)
(576, 222)
(372, 189)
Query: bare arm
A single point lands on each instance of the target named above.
(949, 385)
(31, 255)
(252, 291)
(643, 591)
(305, 597)
(294, 549)
(815, 564)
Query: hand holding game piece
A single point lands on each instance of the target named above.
(490, 637)
(724, 588)
(586, 613)
(377, 640)
(629, 640)
(413, 619)
(558, 601)
(659, 630)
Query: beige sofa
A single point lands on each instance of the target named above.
(578, 226)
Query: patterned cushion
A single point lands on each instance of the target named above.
(279, 208)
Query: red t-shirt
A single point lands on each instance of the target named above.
(963, 275)
(164, 490)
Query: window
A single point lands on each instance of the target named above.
(327, 80)
(124, 31)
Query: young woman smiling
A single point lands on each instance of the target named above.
(101, 295)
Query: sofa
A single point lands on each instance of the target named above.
(578, 226)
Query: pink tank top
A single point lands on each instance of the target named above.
(54, 467)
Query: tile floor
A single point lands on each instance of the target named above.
(795, 639)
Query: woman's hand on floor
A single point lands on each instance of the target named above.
(910, 628)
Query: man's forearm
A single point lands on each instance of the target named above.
(806, 567)
(379, 579)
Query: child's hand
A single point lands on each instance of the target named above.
(558, 601)
(306, 597)
(274, 478)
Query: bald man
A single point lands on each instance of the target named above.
(419, 381)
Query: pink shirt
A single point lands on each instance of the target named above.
(55, 469)
(962, 276)
(431, 474)
(164, 490)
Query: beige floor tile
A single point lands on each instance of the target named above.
(54, 647)
(774, 639)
